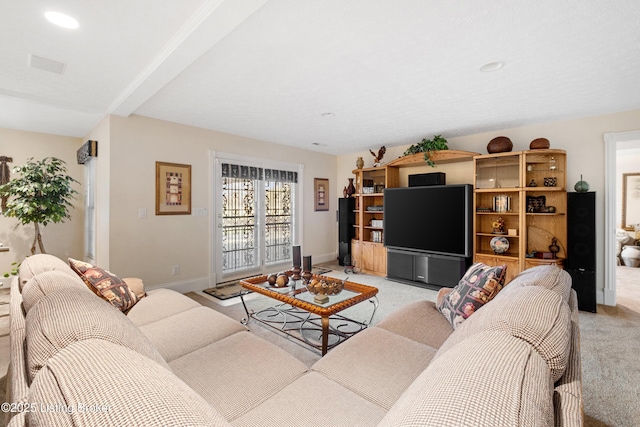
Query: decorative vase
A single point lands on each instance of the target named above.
(554, 248)
(350, 188)
(581, 186)
(499, 144)
(359, 163)
(631, 256)
(539, 143)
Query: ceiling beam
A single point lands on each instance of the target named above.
(210, 24)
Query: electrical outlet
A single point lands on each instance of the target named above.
(142, 213)
(200, 212)
(176, 270)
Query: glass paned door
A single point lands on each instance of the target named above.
(278, 221)
(239, 225)
(256, 219)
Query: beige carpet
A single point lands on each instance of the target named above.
(610, 343)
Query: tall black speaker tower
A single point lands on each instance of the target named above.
(346, 220)
(581, 247)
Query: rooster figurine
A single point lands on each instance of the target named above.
(377, 159)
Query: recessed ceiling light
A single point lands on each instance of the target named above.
(328, 114)
(318, 144)
(61, 20)
(491, 66)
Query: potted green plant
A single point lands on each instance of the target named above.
(40, 195)
(426, 146)
(15, 268)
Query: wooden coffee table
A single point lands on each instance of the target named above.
(299, 316)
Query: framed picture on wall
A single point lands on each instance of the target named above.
(321, 194)
(630, 200)
(173, 189)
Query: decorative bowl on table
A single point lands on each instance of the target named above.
(323, 288)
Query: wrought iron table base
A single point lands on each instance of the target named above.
(301, 325)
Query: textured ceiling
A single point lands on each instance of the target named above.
(390, 72)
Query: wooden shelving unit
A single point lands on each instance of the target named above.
(536, 213)
(367, 250)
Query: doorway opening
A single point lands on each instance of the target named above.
(619, 148)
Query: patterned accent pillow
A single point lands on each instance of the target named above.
(477, 287)
(106, 285)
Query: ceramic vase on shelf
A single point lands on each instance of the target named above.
(359, 163)
(500, 144)
(350, 188)
(581, 186)
(554, 248)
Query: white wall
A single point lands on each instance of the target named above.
(63, 239)
(583, 139)
(149, 247)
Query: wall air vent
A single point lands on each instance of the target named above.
(45, 64)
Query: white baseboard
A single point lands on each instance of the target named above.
(608, 297)
(318, 259)
(201, 283)
(191, 285)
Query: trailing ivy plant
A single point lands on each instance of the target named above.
(426, 146)
(40, 195)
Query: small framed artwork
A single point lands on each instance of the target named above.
(321, 194)
(173, 189)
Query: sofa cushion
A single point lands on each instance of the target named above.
(68, 315)
(237, 373)
(189, 331)
(545, 276)
(490, 379)
(125, 389)
(477, 287)
(43, 284)
(159, 304)
(532, 314)
(136, 285)
(419, 321)
(36, 264)
(376, 364)
(313, 400)
(106, 285)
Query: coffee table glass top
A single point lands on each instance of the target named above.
(352, 294)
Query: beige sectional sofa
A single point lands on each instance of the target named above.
(78, 361)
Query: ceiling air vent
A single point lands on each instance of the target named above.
(46, 64)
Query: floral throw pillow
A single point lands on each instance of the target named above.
(477, 287)
(105, 285)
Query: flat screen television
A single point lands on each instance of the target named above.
(433, 219)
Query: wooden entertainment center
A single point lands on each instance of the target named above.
(503, 190)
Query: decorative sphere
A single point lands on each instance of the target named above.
(282, 280)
